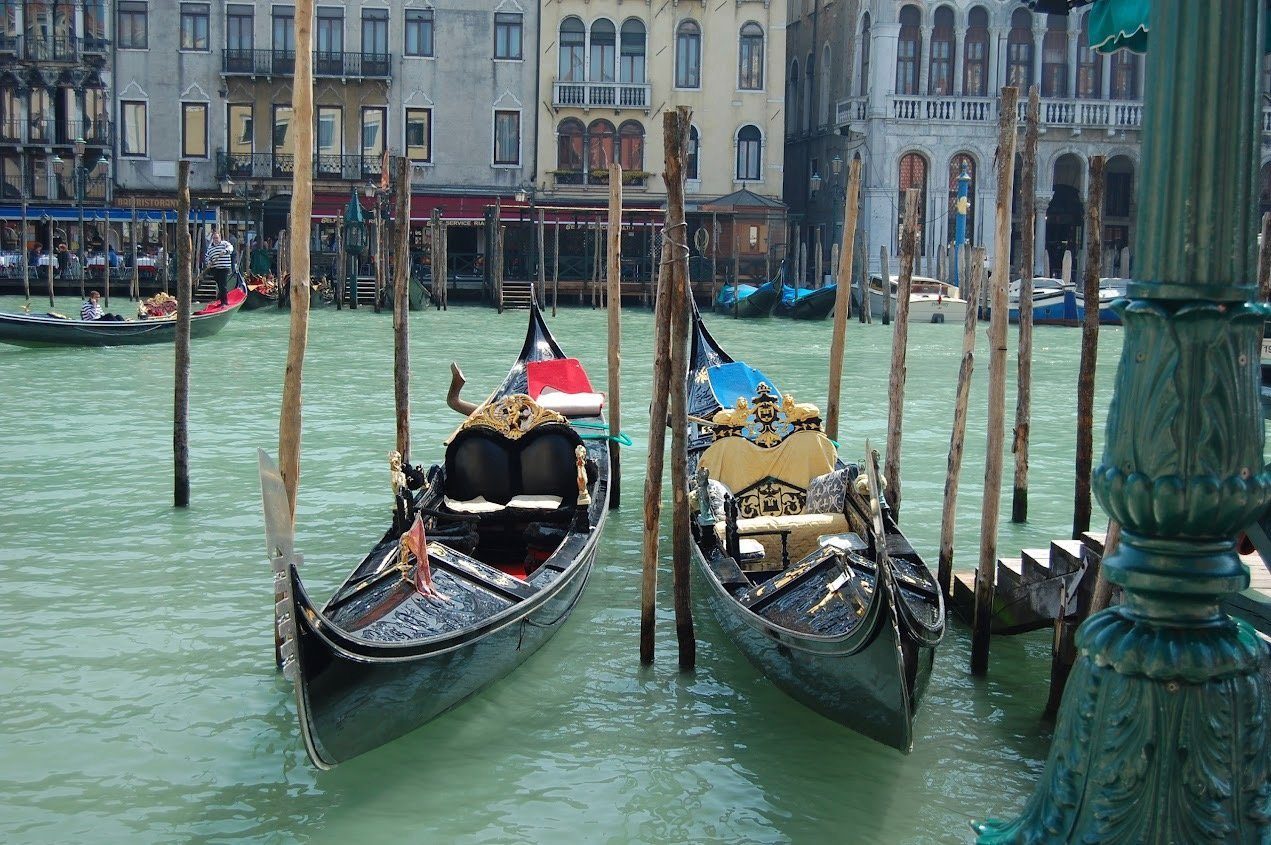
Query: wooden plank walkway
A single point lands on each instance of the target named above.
(1254, 604)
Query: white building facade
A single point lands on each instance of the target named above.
(927, 81)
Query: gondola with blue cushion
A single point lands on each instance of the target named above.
(488, 554)
(807, 570)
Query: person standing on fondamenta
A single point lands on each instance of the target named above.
(219, 260)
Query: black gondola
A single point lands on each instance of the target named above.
(512, 517)
(806, 568)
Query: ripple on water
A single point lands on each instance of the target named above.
(143, 704)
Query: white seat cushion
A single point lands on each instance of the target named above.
(572, 404)
(535, 503)
(477, 505)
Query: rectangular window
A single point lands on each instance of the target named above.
(330, 35)
(373, 135)
(194, 130)
(374, 33)
(284, 30)
(132, 31)
(507, 137)
(239, 23)
(132, 137)
(329, 141)
(283, 139)
(941, 81)
(419, 134)
(238, 129)
(975, 75)
(507, 35)
(194, 27)
(419, 31)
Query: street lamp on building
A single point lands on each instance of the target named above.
(78, 180)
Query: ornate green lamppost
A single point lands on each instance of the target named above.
(1164, 735)
(354, 243)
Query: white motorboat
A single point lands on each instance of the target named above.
(930, 300)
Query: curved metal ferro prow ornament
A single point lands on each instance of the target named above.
(457, 381)
(513, 416)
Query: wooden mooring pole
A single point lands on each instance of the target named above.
(1024, 377)
(614, 280)
(984, 583)
(1089, 349)
(132, 251)
(555, 266)
(181, 383)
(675, 137)
(899, 351)
(542, 259)
(842, 298)
(957, 439)
(401, 315)
(657, 453)
(885, 288)
(289, 420)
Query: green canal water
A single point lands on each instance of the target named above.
(140, 698)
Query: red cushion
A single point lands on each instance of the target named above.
(563, 374)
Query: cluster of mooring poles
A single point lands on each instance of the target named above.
(1164, 690)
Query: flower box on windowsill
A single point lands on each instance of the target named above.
(598, 178)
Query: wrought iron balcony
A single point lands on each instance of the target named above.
(345, 168)
(606, 95)
(93, 132)
(598, 178)
(341, 65)
(11, 130)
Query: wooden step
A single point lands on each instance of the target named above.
(1066, 556)
(1093, 541)
(964, 593)
(1036, 564)
(1010, 572)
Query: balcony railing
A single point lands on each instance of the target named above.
(583, 178)
(610, 95)
(325, 64)
(94, 133)
(56, 48)
(11, 130)
(1076, 114)
(347, 168)
(850, 111)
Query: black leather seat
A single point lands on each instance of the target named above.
(483, 463)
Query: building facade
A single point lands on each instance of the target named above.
(608, 72)
(821, 56)
(923, 102)
(56, 132)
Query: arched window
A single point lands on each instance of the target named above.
(1125, 75)
(749, 154)
(600, 147)
(573, 49)
(865, 47)
(631, 146)
(955, 171)
(1019, 50)
(1089, 65)
(750, 58)
(908, 48)
(809, 84)
(1264, 189)
(569, 152)
(792, 99)
(694, 144)
(1055, 57)
(688, 55)
(975, 54)
(631, 58)
(913, 174)
(942, 47)
(604, 43)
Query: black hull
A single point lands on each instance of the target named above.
(355, 693)
(759, 303)
(866, 668)
(813, 306)
(256, 299)
(36, 332)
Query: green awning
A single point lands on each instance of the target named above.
(1115, 24)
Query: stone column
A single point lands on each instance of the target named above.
(882, 59)
(997, 54)
(1163, 735)
(959, 61)
(1074, 43)
(1041, 261)
(1105, 77)
(924, 61)
(1039, 36)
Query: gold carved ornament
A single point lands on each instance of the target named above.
(769, 421)
(513, 416)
